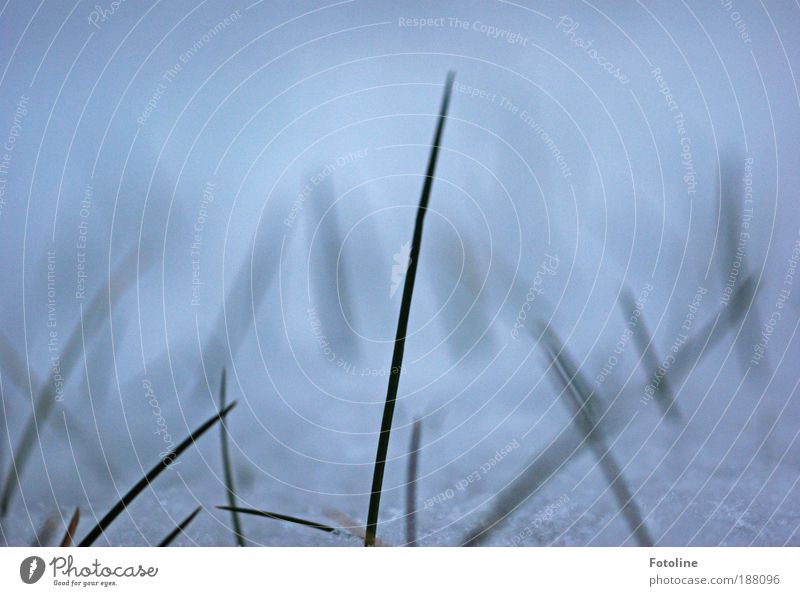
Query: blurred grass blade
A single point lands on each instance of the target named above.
(162, 465)
(714, 330)
(46, 531)
(537, 474)
(402, 323)
(411, 484)
(281, 517)
(734, 246)
(120, 280)
(333, 281)
(226, 464)
(179, 528)
(647, 353)
(351, 526)
(15, 369)
(586, 419)
(69, 535)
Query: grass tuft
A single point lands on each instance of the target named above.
(179, 528)
(162, 465)
(402, 323)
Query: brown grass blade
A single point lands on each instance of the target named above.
(73, 525)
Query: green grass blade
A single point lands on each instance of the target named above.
(350, 526)
(226, 464)
(162, 465)
(179, 528)
(587, 421)
(402, 324)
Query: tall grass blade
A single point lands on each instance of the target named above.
(162, 465)
(73, 525)
(226, 464)
(281, 517)
(402, 323)
(178, 530)
(586, 419)
(411, 484)
(647, 352)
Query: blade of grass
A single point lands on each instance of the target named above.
(179, 528)
(331, 285)
(15, 368)
(711, 334)
(350, 526)
(68, 360)
(226, 464)
(73, 525)
(411, 484)
(402, 324)
(246, 295)
(647, 352)
(46, 531)
(162, 465)
(585, 418)
(281, 517)
(547, 464)
(732, 201)
(19, 457)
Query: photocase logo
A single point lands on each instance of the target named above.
(31, 569)
(400, 265)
